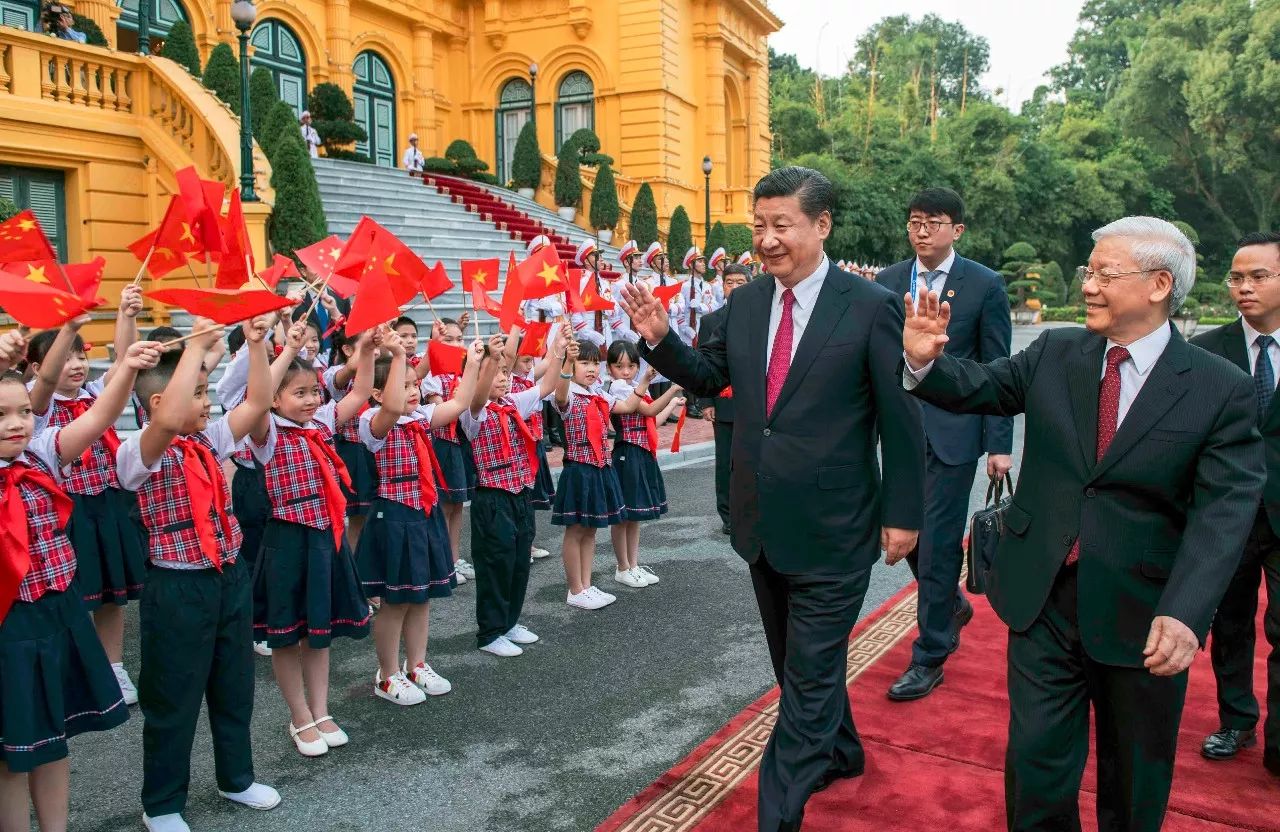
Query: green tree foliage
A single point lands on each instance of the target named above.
(333, 117)
(263, 94)
(1025, 276)
(278, 116)
(8, 208)
(1102, 47)
(716, 239)
(297, 220)
(464, 158)
(679, 237)
(568, 186)
(222, 76)
(644, 217)
(92, 34)
(737, 239)
(605, 211)
(526, 164)
(180, 47)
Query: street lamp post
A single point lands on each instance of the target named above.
(706, 172)
(144, 26)
(243, 13)
(533, 93)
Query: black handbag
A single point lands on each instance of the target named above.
(985, 530)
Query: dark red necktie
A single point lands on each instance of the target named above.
(428, 463)
(780, 358)
(15, 540)
(335, 502)
(1108, 417)
(206, 495)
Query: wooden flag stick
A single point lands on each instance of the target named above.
(319, 292)
(194, 276)
(137, 278)
(191, 335)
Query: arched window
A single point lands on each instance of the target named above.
(164, 13)
(375, 105)
(575, 106)
(278, 49)
(515, 105)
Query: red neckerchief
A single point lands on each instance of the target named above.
(651, 427)
(727, 392)
(79, 407)
(501, 410)
(207, 498)
(335, 503)
(428, 463)
(15, 540)
(597, 418)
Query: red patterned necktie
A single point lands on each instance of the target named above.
(15, 541)
(780, 358)
(1108, 417)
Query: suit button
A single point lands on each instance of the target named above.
(1091, 492)
(768, 432)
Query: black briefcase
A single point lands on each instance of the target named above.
(985, 529)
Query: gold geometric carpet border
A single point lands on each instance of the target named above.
(707, 784)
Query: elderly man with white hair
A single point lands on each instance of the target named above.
(1140, 480)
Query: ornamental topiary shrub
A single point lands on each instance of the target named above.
(605, 211)
(716, 239)
(92, 34)
(679, 237)
(298, 219)
(222, 76)
(737, 239)
(180, 47)
(263, 94)
(333, 117)
(279, 116)
(644, 218)
(568, 190)
(439, 164)
(526, 164)
(8, 208)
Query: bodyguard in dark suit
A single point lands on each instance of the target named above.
(718, 409)
(1140, 482)
(812, 354)
(979, 329)
(1252, 344)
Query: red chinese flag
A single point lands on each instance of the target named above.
(375, 303)
(542, 274)
(372, 247)
(572, 293)
(280, 268)
(236, 265)
(203, 200)
(321, 257)
(665, 294)
(512, 298)
(222, 306)
(481, 302)
(22, 238)
(36, 305)
(536, 336)
(435, 281)
(445, 359)
(86, 279)
(484, 272)
(591, 300)
(163, 258)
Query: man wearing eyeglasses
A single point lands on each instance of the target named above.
(1253, 344)
(1139, 486)
(979, 329)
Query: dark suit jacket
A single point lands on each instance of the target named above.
(1228, 342)
(804, 485)
(980, 329)
(1162, 517)
(711, 329)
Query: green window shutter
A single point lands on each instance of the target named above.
(43, 192)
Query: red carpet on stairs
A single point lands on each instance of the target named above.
(937, 764)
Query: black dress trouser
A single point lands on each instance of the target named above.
(197, 644)
(1234, 636)
(501, 540)
(1052, 684)
(807, 620)
(723, 432)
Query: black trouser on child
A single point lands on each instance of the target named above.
(501, 539)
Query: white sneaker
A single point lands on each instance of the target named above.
(465, 569)
(432, 683)
(603, 596)
(257, 796)
(647, 574)
(165, 823)
(502, 646)
(127, 689)
(459, 577)
(521, 634)
(539, 553)
(628, 577)
(584, 600)
(261, 648)
(397, 689)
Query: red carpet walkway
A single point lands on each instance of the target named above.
(937, 764)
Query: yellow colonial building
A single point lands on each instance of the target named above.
(90, 137)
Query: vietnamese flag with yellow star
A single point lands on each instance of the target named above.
(203, 201)
(483, 272)
(85, 278)
(373, 249)
(37, 305)
(512, 298)
(222, 306)
(171, 243)
(536, 336)
(22, 238)
(542, 274)
(320, 258)
(586, 299)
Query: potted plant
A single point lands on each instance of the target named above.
(605, 211)
(568, 180)
(526, 164)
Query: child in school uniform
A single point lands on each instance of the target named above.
(644, 495)
(526, 372)
(105, 531)
(360, 465)
(458, 487)
(306, 589)
(501, 512)
(404, 555)
(588, 495)
(195, 608)
(55, 679)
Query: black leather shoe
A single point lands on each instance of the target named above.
(831, 775)
(964, 615)
(694, 412)
(1227, 743)
(725, 529)
(917, 683)
(1271, 760)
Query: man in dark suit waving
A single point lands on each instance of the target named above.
(811, 352)
(1140, 482)
(1252, 343)
(979, 329)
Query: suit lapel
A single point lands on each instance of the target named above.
(952, 289)
(1083, 374)
(1233, 346)
(758, 309)
(1166, 385)
(828, 309)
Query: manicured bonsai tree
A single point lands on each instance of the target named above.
(180, 47)
(222, 76)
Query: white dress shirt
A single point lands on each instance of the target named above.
(413, 159)
(940, 282)
(806, 292)
(1273, 351)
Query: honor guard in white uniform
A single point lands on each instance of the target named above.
(590, 326)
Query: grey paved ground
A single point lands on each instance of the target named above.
(553, 740)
